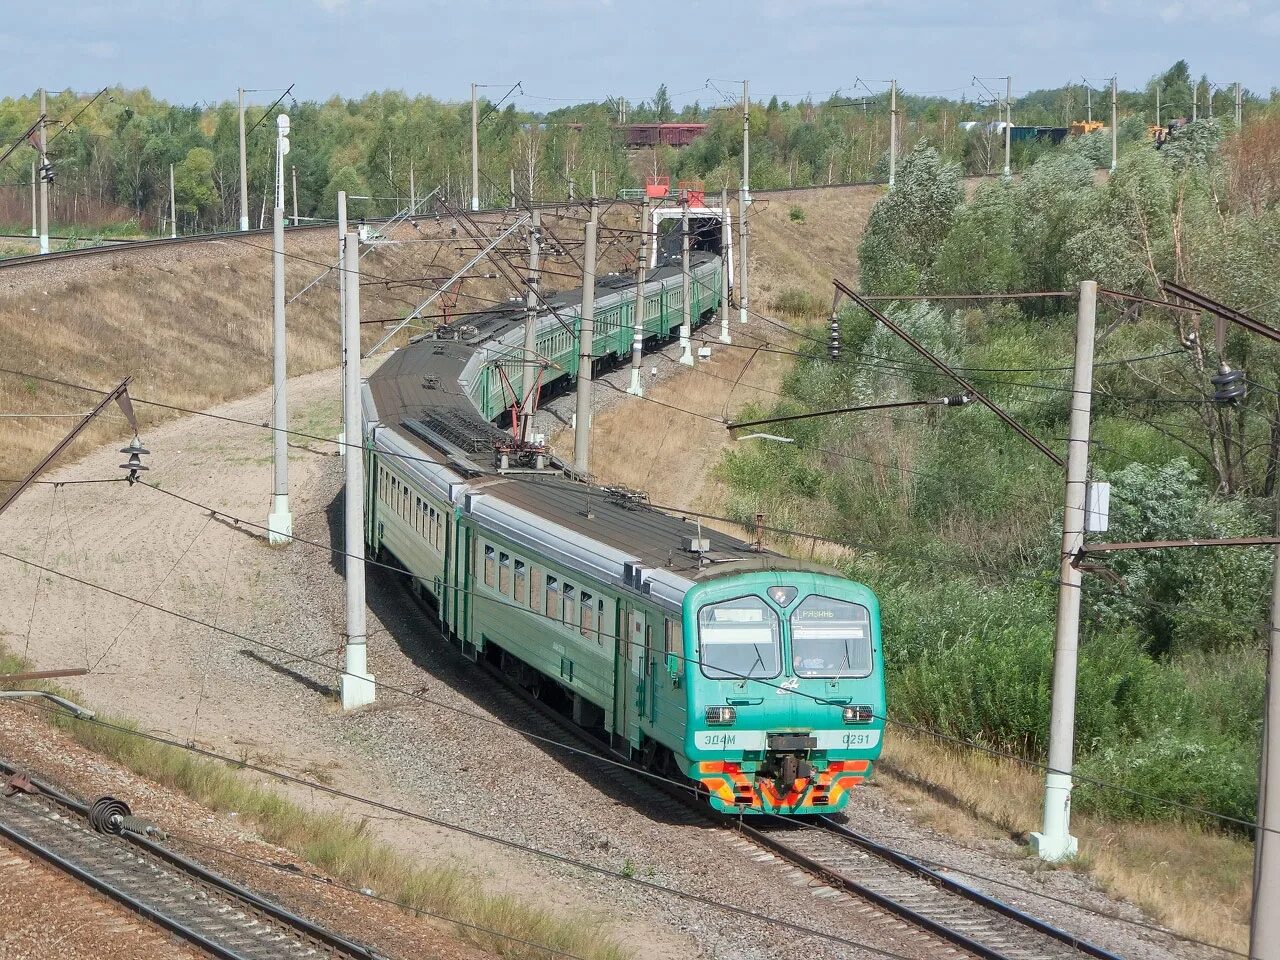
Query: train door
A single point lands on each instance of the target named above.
(629, 688)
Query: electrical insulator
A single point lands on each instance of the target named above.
(136, 451)
(833, 339)
(46, 173)
(1228, 385)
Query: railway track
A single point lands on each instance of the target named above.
(108, 850)
(975, 921)
(954, 914)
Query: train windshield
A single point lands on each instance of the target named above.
(739, 638)
(830, 638)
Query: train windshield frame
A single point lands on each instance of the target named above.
(740, 639)
(831, 639)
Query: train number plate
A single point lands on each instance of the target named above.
(847, 739)
(729, 739)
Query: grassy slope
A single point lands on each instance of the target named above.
(193, 324)
(786, 255)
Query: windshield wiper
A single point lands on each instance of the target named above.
(759, 659)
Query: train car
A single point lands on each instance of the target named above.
(755, 676)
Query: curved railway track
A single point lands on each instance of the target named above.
(953, 914)
(202, 908)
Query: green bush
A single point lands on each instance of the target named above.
(798, 303)
(1186, 765)
(796, 214)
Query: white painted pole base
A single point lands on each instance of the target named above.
(279, 520)
(686, 348)
(357, 682)
(44, 243)
(724, 332)
(342, 444)
(742, 314)
(357, 690)
(1055, 841)
(244, 222)
(636, 389)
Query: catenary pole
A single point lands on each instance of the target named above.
(357, 684)
(744, 202)
(293, 172)
(244, 170)
(1157, 103)
(1195, 101)
(636, 387)
(1239, 104)
(35, 228)
(686, 301)
(475, 152)
(173, 206)
(1054, 842)
(43, 141)
(1264, 926)
(726, 258)
(530, 367)
(893, 131)
(342, 278)
(586, 347)
(413, 191)
(513, 187)
(280, 520)
(1008, 122)
(1114, 122)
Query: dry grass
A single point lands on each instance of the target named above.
(1194, 881)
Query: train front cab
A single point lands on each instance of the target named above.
(785, 690)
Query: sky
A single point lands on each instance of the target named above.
(568, 51)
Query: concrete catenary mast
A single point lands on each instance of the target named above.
(586, 347)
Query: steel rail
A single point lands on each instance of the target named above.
(969, 893)
(834, 878)
(104, 886)
(189, 867)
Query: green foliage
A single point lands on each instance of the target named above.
(979, 254)
(1184, 765)
(1182, 600)
(796, 213)
(193, 185)
(798, 303)
(909, 223)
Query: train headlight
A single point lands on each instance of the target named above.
(857, 714)
(721, 716)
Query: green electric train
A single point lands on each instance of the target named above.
(756, 676)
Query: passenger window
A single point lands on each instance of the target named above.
(535, 589)
(553, 598)
(488, 566)
(522, 584)
(569, 615)
(587, 618)
(504, 574)
(604, 618)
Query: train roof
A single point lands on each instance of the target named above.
(444, 440)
